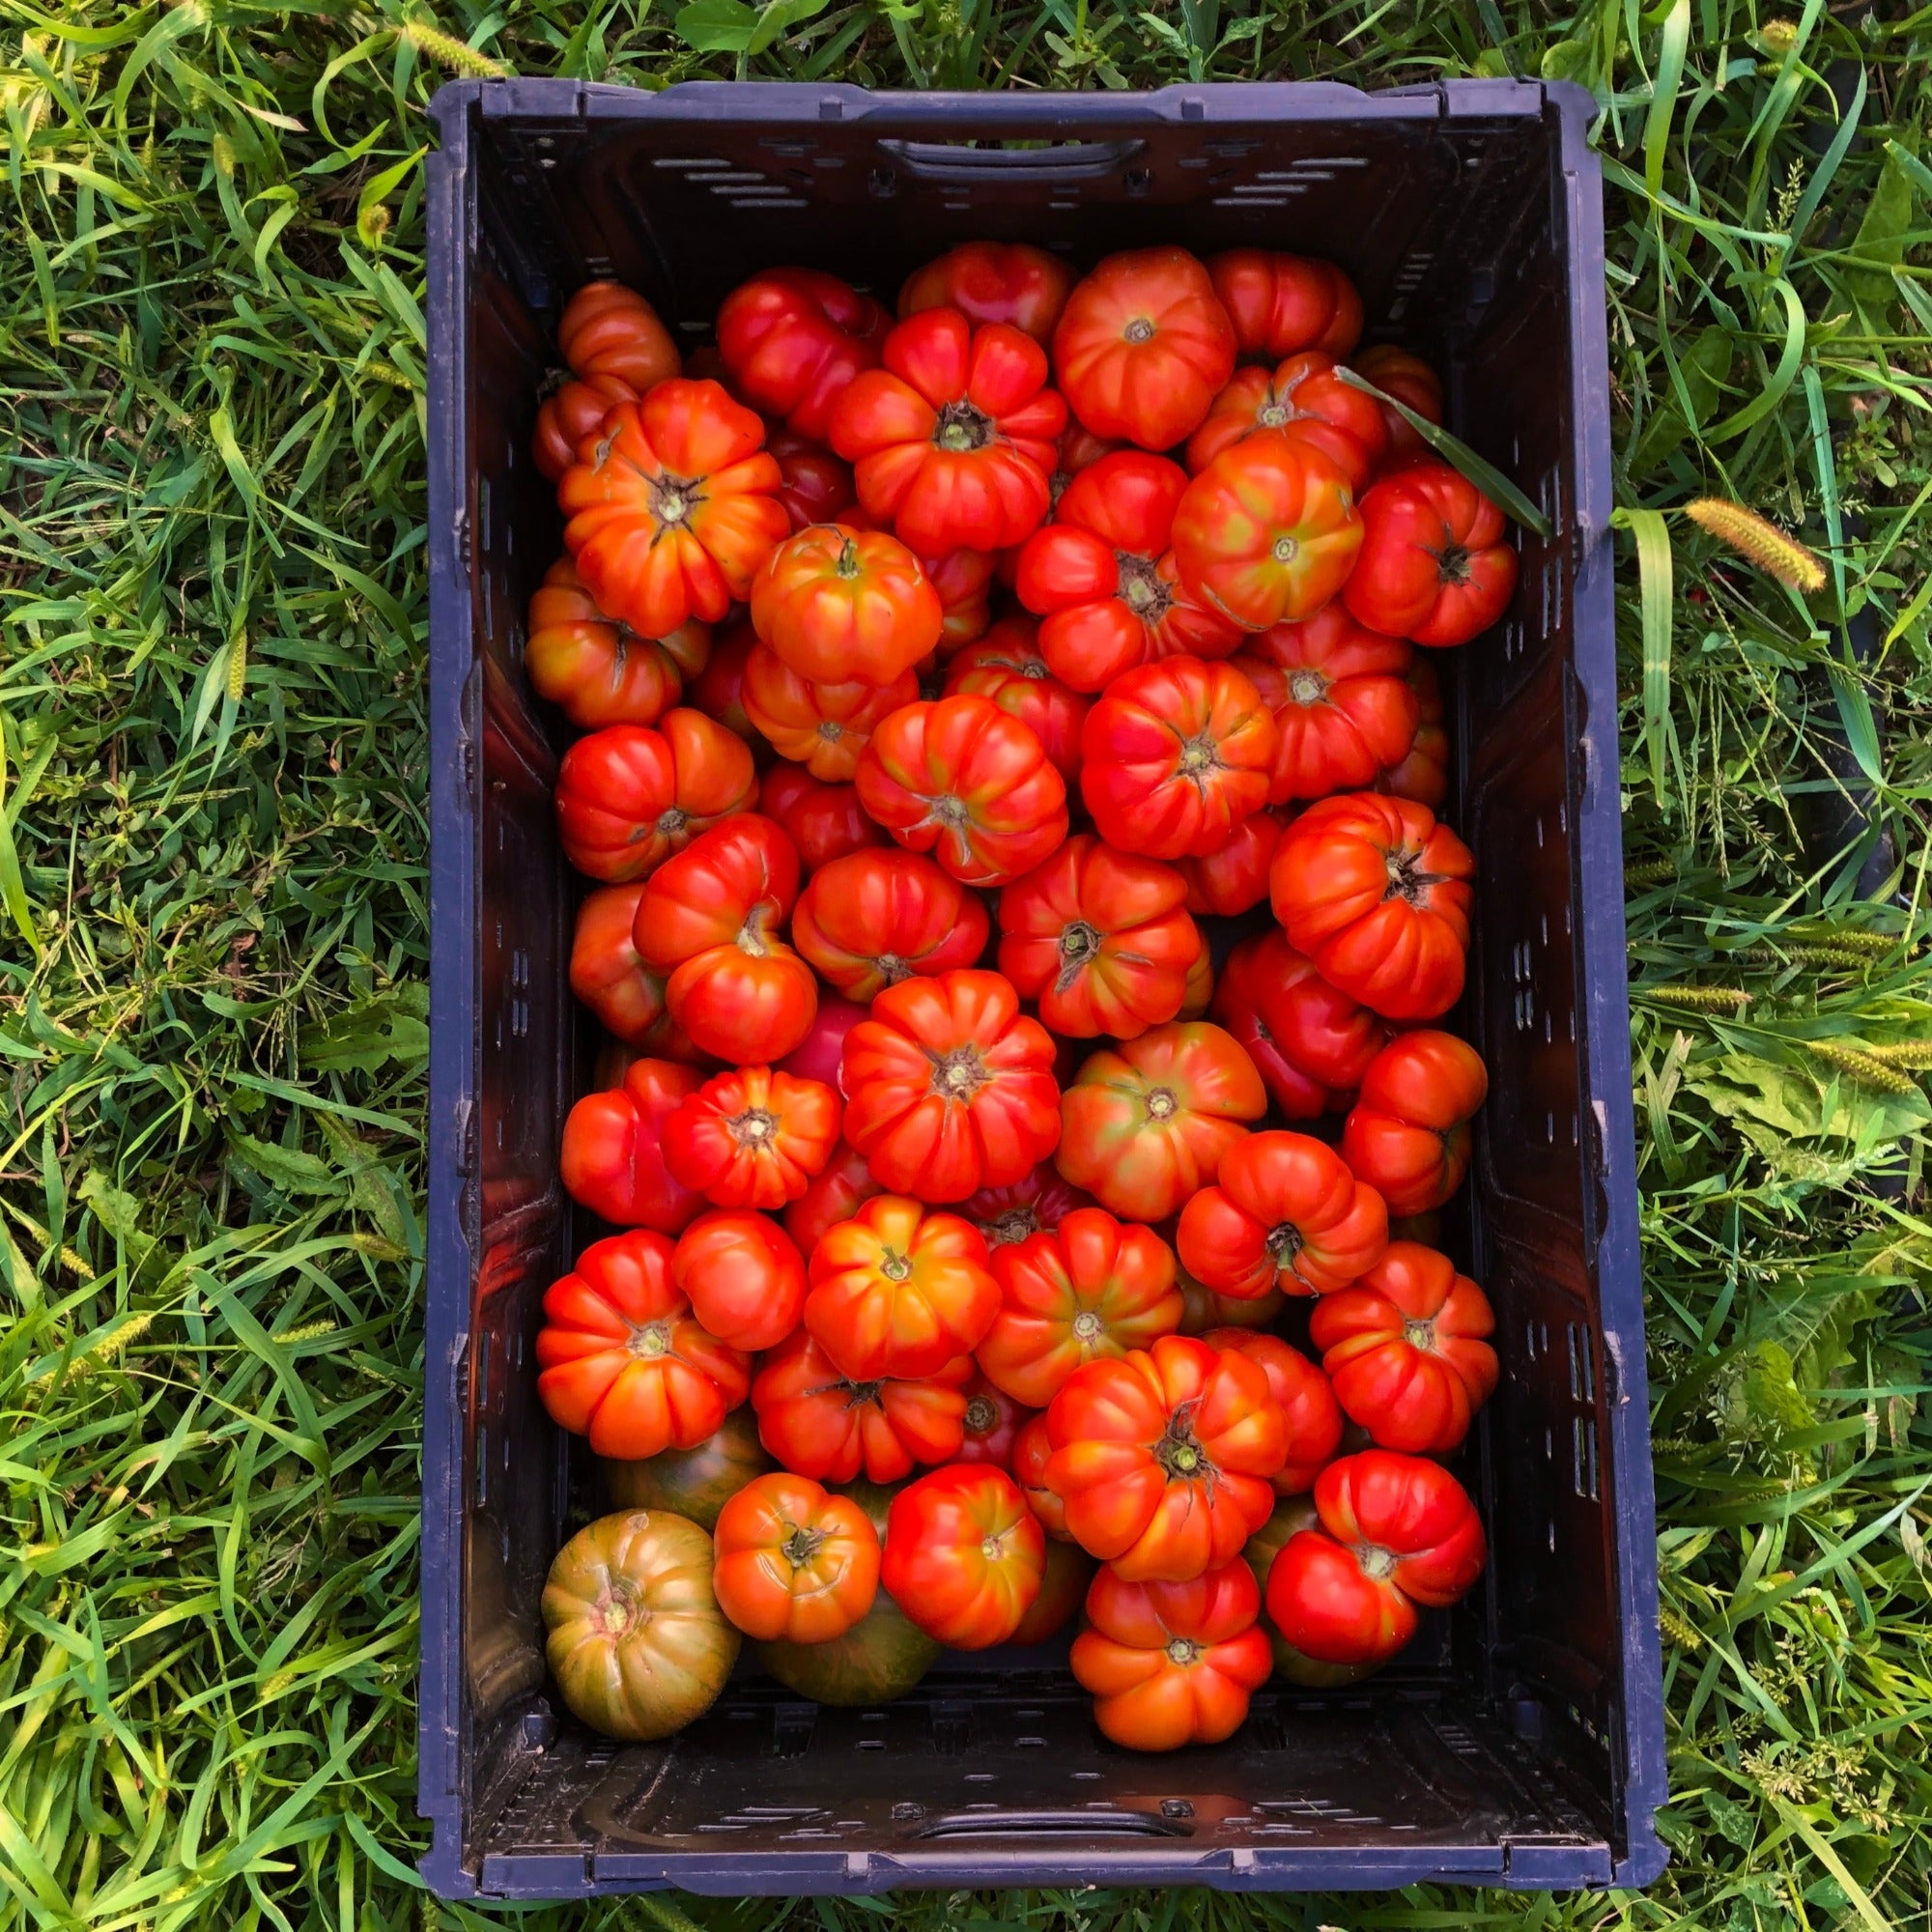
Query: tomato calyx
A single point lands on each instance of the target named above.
(801, 1545)
(959, 1074)
(981, 1415)
(1197, 755)
(1286, 550)
(961, 426)
(1178, 1453)
(848, 565)
(751, 937)
(672, 821)
(1161, 1104)
(1419, 1332)
(1016, 1224)
(620, 1612)
(1141, 589)
(649, 1341)
(894, 1266)
(1406, 878)
(830, 731)
(1452, 562)
(1183, 1651)
(1284, 1243)
(1307, 685)
(1377, 1564)
(673, 498)
(1140, 330)
(891, 968)
(949, 809)
(1079, 942)
(754, 1128)
(1086, 1326)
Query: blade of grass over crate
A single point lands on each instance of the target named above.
(1657, 606)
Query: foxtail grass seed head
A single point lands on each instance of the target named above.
(1905, 1053)
(1778, 38)
(448, 51)
(1764, 542)
(1700, 999)
(1866, 1068)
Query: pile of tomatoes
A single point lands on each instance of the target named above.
(947, 682)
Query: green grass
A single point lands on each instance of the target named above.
(213, 935)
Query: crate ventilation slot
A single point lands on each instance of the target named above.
(742, 188)
(1094, 1822)
(1276, 187)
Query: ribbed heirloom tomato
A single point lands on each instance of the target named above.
(574, 409)
(613, 1155)
(1291, 1516)
(743, 1275)
(1006, 665)
(1407, 1349)
(597, 670)
(1204, 1312)
(1286, 1212)
(964, 581)
(1233, 877)
(694, 1483)
(631, 795)
(1101, 939)
(1434, 567)
(1172, 1664)
(959, 779)
(821, 1053)
(822, 727)
(1175, 757)
(948, 1088)
(1409, 1132)
(793, 338)
(868, 920)
(719, 689)
(621, 1359)
(833, 1195)
(814, 485)
(671, 507)
(793, 1562)
(1103, 580)
(1163, 1460)
(608, 977)
(1377, 894)
(823, 1424)
(1145, 1126)
(993, 1421)
(1310, 1043)
(952, 440)
(751, 1138)
(1036, 1202)
(1279, 304)
(615, 347)
(897, 1291)
(824, 821)
(1302, 394)
(993, 281)
(1142, 346)
(964, 1557)
(1091, 1287)
(1033, 1451)
(1409, 379)
(841, 604)
(1424, 774)
(1309, 1409)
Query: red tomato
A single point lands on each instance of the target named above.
(964, 1557)
(1233, 878)
(820, 1424)
(948, 1089)
(1100, 939)
(964, 581)
(1006, 667)
(622, 1361)
(1062, 1589)
(1407, 1134)
(1268, 530)
(814, 485)
(751, 1138)
(1308, 1403)
(671, 507)
(792, 1562)
(1200, 988)
(840, 604)
(607, 974)
(608, 330)
(1172, 1664)
(899, 1292)
(1396, 1532)
(571, 412)
(993, 1423)
(871, 919)
(952, 440)
(818, 1055)
(993, 281)
(719, 691)
(822, 727)
(793, 338)
(1409, 379)
(1164, 1459)
(1175, 757)
(1103, 578)
(1291, 1516)
(1424, 774)
(824, 821)
(1142, 346)
(1343, 705)
(629, 796)
(1144, 1126)
(1375, 892)
(1284, 1213)
(1033, 1451)
(1434, 564)
(1037, 1201)
(598, 671)
(1203, 1311)
(1407, 1349)
(1092, 1289)
(1310, 1043)
(743, 1275)
(834, 1195)
(1281, 304)
(613, 1155)
(1305, 395)
(961, 780)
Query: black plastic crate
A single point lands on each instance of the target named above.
(1521, 1741)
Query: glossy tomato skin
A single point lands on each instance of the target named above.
(599, 672)
(964, 1557)
(1142, 346)
(1172, 1664)
(1103, 580)
(1281, 304)
(870, 920)
(1068, 1574)
(1163, 1460)
(952, 441)
(1291, 1516)
(608, 977)
(653, 551)
(1033, 1451)
(695, 1483)
(1092, 1288)
(573, 410)
(1434, 565)
(1423, 775)
(1233, 878)
(743, 1275)
(824, 821)
(1409, 379)
(1175, 757)
(1286, 1213)
(793, 338)
(1396, 1533)
(792, 1562)
(1308, 1403)
(1006, 665)
(993, 1423)
(1101, 940)
(751, 1138)
(1268, 530)
(822, 727)
(814, 485)
(964, 581)
(993, 281)
(1145, 1126)
(1310, 1041)
(613, 1155)
(1203, 1311)
(959, 777)
(1407, 1349)
(833, 1195)
(822, 1424)
(1037, 1201)
(630, 796)
(608, 330)
(1304, 394)
(840, 604)
(1409, 1132)
(948, 1088)
(622, 1359)
(719, 689)
(818, 1055)
(1375, 892)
